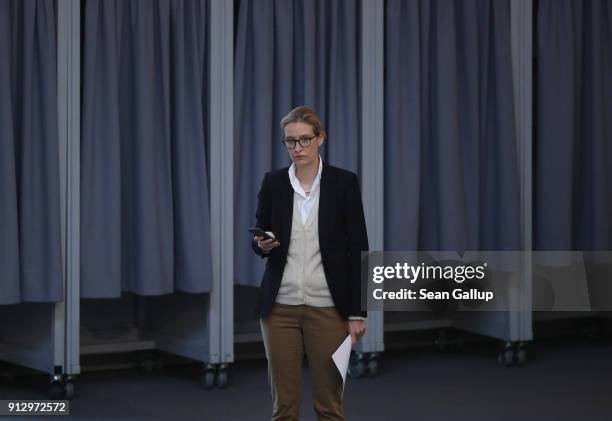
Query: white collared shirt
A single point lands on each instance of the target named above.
(305, 202)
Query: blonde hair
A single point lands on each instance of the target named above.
(304, 114)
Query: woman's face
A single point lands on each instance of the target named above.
(300, 155)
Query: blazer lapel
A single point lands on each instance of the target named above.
(287, 215)
(324, 203)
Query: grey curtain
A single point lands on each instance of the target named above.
(30, 244)
(451, 165)
(145, 224)
(573, 165)
(290, 53)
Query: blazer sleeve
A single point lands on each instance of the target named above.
(357, 242)
(262, 214)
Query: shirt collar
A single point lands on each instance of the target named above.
(295, 183)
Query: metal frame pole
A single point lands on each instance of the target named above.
(372, 153)
(222, 177)
(522, 69)
(69, 115)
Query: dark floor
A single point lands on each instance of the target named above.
(563, 380)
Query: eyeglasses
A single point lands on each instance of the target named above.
(303, 141)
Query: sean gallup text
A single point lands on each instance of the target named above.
(424, 294)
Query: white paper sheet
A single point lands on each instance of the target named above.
(341, 358)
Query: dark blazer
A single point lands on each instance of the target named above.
(342, 236)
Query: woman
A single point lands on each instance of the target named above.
(310, 295)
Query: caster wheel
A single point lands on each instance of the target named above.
(69, 390)
(221, 380)
(506, 357)
(207, 380)
(521, 354)
(356, 370)
(373, 367)
(56, 390)
(357, 366)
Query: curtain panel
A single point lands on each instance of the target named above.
(145, 217)
(573, 143)
(30, 238)
(451, 160)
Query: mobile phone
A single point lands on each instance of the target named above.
(258, 231)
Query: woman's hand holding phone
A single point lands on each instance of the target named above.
(266, 243)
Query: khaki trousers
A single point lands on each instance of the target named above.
(287, 332)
